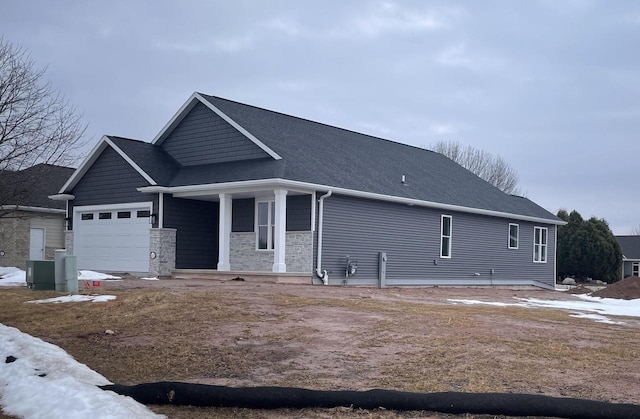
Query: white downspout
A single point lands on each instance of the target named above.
(322, 274)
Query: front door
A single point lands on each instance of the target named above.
(36, 244)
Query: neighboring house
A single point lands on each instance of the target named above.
(31, 225)
(630, 246)
(235, 188)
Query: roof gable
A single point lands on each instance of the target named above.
(104, 142)
(195, 101)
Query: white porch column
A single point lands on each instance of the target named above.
(280, 230)
(224, 232)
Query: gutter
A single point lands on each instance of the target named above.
(324, 276)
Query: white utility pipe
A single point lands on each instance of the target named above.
(322, 274)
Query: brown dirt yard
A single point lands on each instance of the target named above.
(253, 334)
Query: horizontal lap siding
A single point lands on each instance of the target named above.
(110, 180)
(196, 223)
(203, 137)
(410, 236)
(298, 214)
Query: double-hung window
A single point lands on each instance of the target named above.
(446, 227)
(265, 217)
(514, 235)
(635, 269)
(540, 244)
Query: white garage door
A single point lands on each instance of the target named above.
(112, 239)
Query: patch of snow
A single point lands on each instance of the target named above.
(76, 299)
(155, 278)
(45, 381)
(94, 276)
(12, 277)
(594, 308)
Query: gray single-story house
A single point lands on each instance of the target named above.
(237, 189)
(630, 247)
(31, 225)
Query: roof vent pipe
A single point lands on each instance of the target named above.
(321, 273)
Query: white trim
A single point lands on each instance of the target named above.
(280, 230)
(161, 210)
(442, 235)
(313, 211)
(62, 197)
(112, 207)
(635, 266)
(186, 108)
(271, 203)
(294, 186)
(542, 244)
(517, 236)
(91, 159)
(32, 209)
(224, 235)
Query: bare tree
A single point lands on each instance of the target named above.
(635, 231)
(492, 168)
(37, 124)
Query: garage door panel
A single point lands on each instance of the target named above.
(114, 240)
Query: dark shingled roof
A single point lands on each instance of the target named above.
(31, 187)
(321, 154)
(153, 160)
(630, 246)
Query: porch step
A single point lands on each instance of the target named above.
(272, 277)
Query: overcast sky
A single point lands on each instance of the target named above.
(552, 86)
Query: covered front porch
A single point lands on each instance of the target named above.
(263, 232)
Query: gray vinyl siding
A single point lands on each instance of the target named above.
(196, 224)
(298, 214)
(203, 137)
(110, 180)
(410, 236)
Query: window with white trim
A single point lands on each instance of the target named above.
(446, 227)
(265, 222)
(540, 244)
(635, 269)
(514, 235)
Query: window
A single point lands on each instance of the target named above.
(266, 217)
(514, 235)
(635, 269)
(143, 214)
(86, 217)
(124, 214)
(104, 216)
(540, 244)
(445, 242)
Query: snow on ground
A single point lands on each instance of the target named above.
(12, 277)
(76, 299)
(94, 276)
(594, 308)
(46, 382)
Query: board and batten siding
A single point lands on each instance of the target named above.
(410, 235)
(110, 180)
(196, 224)
(203, 137)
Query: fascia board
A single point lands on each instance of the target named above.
(175, 119)
(186, 108)
(86, 164)
(229, 187)
(130, 161)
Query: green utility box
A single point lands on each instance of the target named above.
(41, 275)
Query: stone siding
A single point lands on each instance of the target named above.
(162, 243)
(14, 239)
(68, 241)
(243, 255)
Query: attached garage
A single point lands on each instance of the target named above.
(113, 237)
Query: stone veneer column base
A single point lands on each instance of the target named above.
(162, 251)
